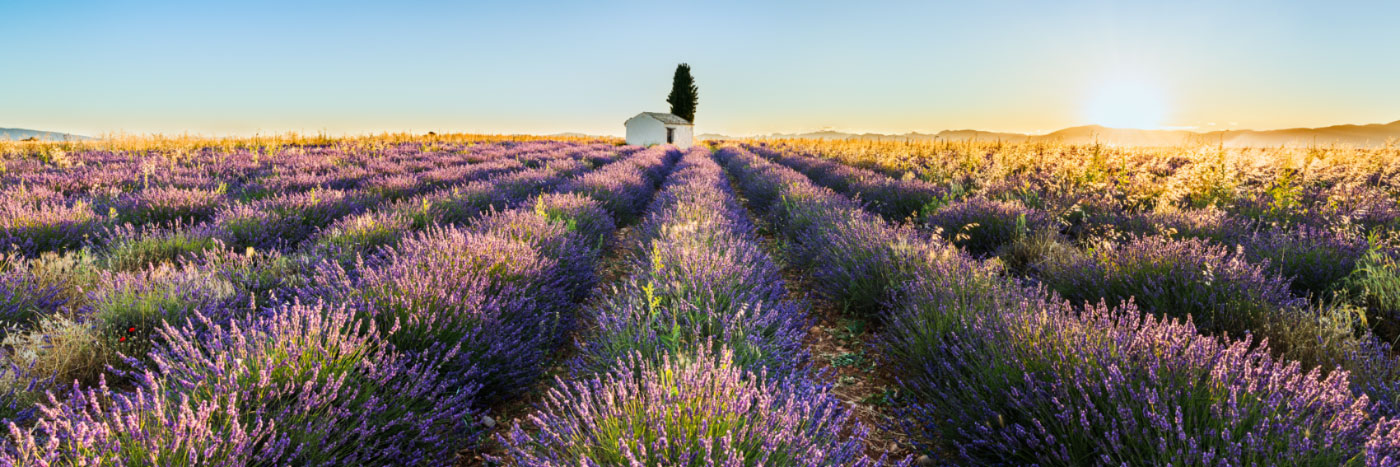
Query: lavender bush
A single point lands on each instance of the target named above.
(698, 277)
(687, 410)
(1375, 284)
(893, 199)
(1207, 224)
(20, 392)
(1225, 295)
(857, 260)
(361, 234)
(624, 187)
(983, 226)
(1218, 289)
(458, 205)
(306, 385)
(129, 307)
(242, 226)
(24, 298)
(1000, 375)
(1314, 260)
(496, 297)
(34, 228)
(573, 258)
(129, 247)
(169, 204)
(579, 214)
(1039, 382)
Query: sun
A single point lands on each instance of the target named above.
(1124, 102)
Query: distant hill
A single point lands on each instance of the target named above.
(16, 134)
(1089, 134)
(1374, 135)
(978, 135)
(946, 135)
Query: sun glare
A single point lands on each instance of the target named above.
(1126, 103)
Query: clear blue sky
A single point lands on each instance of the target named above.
(544, 67)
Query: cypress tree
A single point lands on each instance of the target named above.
(684, 95)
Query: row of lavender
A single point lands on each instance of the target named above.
(1227, 280)
(995, 372)
(696, 358)
(113, 299)
(384, 359)
(1316, 243)
(60, 209)
(250, 173)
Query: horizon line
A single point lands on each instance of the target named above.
(185, 134)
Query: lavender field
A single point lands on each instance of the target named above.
(578, 302)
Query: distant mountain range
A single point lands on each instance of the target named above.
(16, 134)
(1374, 135)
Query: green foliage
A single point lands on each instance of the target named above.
(1375, 285)
(147, 250)
(1027, 251)
(260, 275)
(685, 96)
(362, 234)
(128, 308)
(58, 350)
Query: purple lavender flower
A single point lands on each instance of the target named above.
(1036, 381)
(168, 204)
(579, 214)
(361, 234)
(982, 226)
(1372, 209)
(623, 187)
(458, 205)
(1315, 260)
(1000, 375)
(1219, 290)
(497, 297)
(893, 199)
(33, 228)
(1208, 224)
(857, 260)
(128, 307)
(24, 298)
(572, 255)
(244, 226)
(698, 277)
(20, 391)
(687, 410)
(130, 247)
(259, 279)
(305, 385)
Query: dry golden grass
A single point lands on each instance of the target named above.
(58, 349)
(1140, 178)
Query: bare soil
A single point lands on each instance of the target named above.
(842, 354)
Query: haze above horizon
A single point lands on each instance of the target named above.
(762, 67)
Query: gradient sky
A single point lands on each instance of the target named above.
(543, 67)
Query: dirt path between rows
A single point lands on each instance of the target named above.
(841, 350)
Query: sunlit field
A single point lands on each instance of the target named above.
(471, 299)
